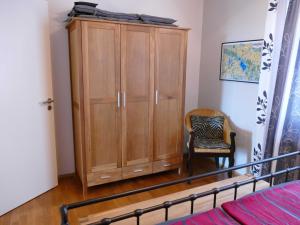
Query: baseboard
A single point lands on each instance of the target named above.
(68, 175)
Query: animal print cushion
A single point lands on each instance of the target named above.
(208, 127)
(210, 143)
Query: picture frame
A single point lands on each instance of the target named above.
(241, 61)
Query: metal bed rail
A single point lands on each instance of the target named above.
(166, 205)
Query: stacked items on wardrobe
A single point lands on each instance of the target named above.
(89, 10)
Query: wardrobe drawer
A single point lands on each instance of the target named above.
(166, 164)
(103, 177)
(137, 170)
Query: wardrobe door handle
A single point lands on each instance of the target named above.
(119, 100)
(124, 99)
(138, 170)
(105, 177)
(156, 97)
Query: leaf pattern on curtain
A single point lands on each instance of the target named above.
(258, 156)
(267, 53)
(262, 114)
(273, 5)
(262, 103)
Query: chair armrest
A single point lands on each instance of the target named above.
(228, 130)
(188, 124)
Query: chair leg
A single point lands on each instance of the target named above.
(217, 163)
(187, 161)
(231, 164)
(190, 165)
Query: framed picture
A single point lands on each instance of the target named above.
(241, 61)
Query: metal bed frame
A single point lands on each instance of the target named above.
(64, 209)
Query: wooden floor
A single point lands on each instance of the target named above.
(45, 208)
(176, 211)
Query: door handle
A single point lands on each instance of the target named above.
(156, 97)
(48, 102)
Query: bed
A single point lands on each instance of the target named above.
(240, 200)
(277, 205)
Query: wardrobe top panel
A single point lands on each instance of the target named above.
(127, 23)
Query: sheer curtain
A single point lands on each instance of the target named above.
(289, 133)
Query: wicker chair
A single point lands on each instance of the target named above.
(229, 138)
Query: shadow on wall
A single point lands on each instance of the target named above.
(62, 94)
(243, 142)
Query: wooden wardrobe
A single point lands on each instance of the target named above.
(128, 85)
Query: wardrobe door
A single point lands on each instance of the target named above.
(137, 84)
(101, 77)
(169, 97)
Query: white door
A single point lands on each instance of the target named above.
(27, 142)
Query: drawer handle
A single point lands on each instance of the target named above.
(138, 170)
(167, 165)
(105, 177)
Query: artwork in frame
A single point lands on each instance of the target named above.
(241, 61)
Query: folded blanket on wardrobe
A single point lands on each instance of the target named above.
(89, 10)
(106, 18)
(155, 19)
(86, 3)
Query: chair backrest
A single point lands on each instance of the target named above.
(209, 113)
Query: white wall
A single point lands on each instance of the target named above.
(188, 14)
(223, 21)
